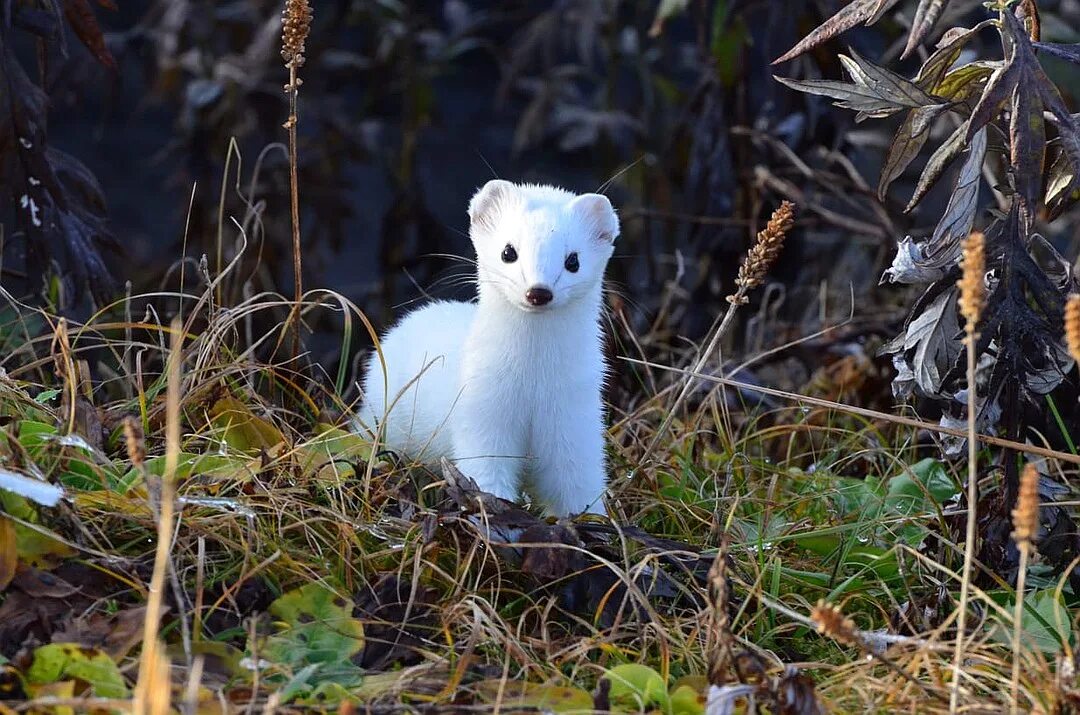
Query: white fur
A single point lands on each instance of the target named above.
(511, 392)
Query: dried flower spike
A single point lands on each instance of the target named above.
(296, 23)
(1072, 326)
(764, 251)
(136, 444)
(831, 621)
(972, 288)
(1025, 515)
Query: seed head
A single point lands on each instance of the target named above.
(831, 621)
(972, 288)
(296, 23)
(1026, 514)
(1072, 326)
(764, 251)
(136, 444)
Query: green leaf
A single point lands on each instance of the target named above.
(46, 396)
(1045, 622)
(637, 687)
(686, 700)
(921, 488)
(64, 661)
(315, 627)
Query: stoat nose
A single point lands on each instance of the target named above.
(538, 295)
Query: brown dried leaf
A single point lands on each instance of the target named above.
(926, 16)
(909, 140)
(858, 11)
(9, 552)
(116, 634)
(939, 161)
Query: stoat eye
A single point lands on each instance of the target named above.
(572, 263)
(509, 255)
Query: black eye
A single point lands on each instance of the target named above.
(572, 263)
(509, 255)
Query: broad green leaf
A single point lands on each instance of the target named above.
(923, 487)
(65, 661)
(635, 687)
(686, 700)
(315, 627)
(35, 546)
(1046, 622)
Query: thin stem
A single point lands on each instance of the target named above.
(1018, 617)
(294, 190)
(690, 380)
(972, 522)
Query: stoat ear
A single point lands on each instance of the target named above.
(485, 203)
(599, 216)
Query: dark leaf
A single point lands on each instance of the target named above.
(926, 16)
(965, 82)
(885, 83)
(1027, 145)
(84, 24)
(943, 248)
(858, 11)
(939, 161)
(909, 140)
(945, 55)
(875, 90)
(932, 336)
(1070, 53)
(1035, 81)
(1001, 85)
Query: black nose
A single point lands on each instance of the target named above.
(538, 296)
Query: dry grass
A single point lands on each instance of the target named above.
(209, 484)
(279, 502)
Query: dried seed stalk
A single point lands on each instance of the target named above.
(972, 287)
(1025, 518)
(1072, 326)
(751, 275)
(722, 650)
(972, 299)
(832, 622)
(763, 253)
(296, 24)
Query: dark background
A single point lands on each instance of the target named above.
(408, 107)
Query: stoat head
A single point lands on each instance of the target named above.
(539, 247)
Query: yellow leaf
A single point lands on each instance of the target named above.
(9, 551)
(241, 429)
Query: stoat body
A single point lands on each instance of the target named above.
(509, 387)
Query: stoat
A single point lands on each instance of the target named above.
(509, 387)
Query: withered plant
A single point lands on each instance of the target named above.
(57, 208)
(1002, 118)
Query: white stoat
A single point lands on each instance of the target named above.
(509, 387)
